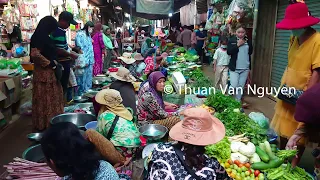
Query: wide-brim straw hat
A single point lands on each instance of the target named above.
(198, 128)
(112, 100)
(123, 74)
(127, 58)
(297, 16)
(138, 57)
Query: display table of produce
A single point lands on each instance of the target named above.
(248, 152)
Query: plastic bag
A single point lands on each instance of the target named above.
(26, 109)
(260, 119)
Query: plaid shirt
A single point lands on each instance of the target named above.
(132, 68)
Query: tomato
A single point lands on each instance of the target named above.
(240, 165)
(247, 165)
(256, 178)
(256, 173)
(250, 171)
(233, 175)
(247, 173)
(229, 170)
(237, 162)
(230, 162)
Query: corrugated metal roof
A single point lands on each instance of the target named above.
(202, 6)
(126, 8)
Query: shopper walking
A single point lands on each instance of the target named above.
(186, 37)
(302, 71)
(47, 98)
(220, 65)
(84, 42)
(64, 54)
(98, 49)
(201, 36)
(240, 49)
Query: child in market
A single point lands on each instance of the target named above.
(80, 64)
(220, 65)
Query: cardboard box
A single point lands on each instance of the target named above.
(10, 90)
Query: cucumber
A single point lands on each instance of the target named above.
(263, 155)
(263, 166)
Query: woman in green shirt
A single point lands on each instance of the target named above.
(113, 115)
(107, 40)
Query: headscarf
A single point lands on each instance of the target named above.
(97, 28)
(146, 45)
(105, 28)
(41, 40)
(153, 79)
(86, 27)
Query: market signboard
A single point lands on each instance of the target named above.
(163, 7)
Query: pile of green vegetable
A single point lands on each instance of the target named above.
(179, 50)
(196, 74)
(220, 150)
(221, 102)
(286, 154)
(202, 82)
(188, 56)
(286, 172)
(238, 123)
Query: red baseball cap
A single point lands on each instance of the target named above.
(297, 16)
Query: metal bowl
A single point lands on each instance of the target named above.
(153, 131)
(35, 153)
(97, 82)
(103, 79)
(87, 105)
(76, 118)
(90, 93)
(34, 137)
(80, 99)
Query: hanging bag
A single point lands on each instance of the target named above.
(289, 94)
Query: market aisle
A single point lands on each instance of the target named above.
(13, 140)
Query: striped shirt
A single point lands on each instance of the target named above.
(60, 39)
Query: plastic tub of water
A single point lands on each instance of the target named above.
(91, 125)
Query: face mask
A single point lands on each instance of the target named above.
(298, 32)
(90, 30)
(224, 46)
(201, 29)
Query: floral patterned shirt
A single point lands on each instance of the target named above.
(165, 164)
(148, 108)
(150, 65)
(125, 134)
(85, 43)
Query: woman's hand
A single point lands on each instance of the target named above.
(241, 42)
(292, 143)
(172, 106)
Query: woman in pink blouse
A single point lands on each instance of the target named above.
(98, 49)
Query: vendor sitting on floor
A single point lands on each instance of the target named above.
(151, 107)
(177, 161)
(137, 68)
(72, 157)
(125, 136)
(124, 85)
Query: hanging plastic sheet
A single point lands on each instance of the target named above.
(154, 6)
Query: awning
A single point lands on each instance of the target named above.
(126, 8)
